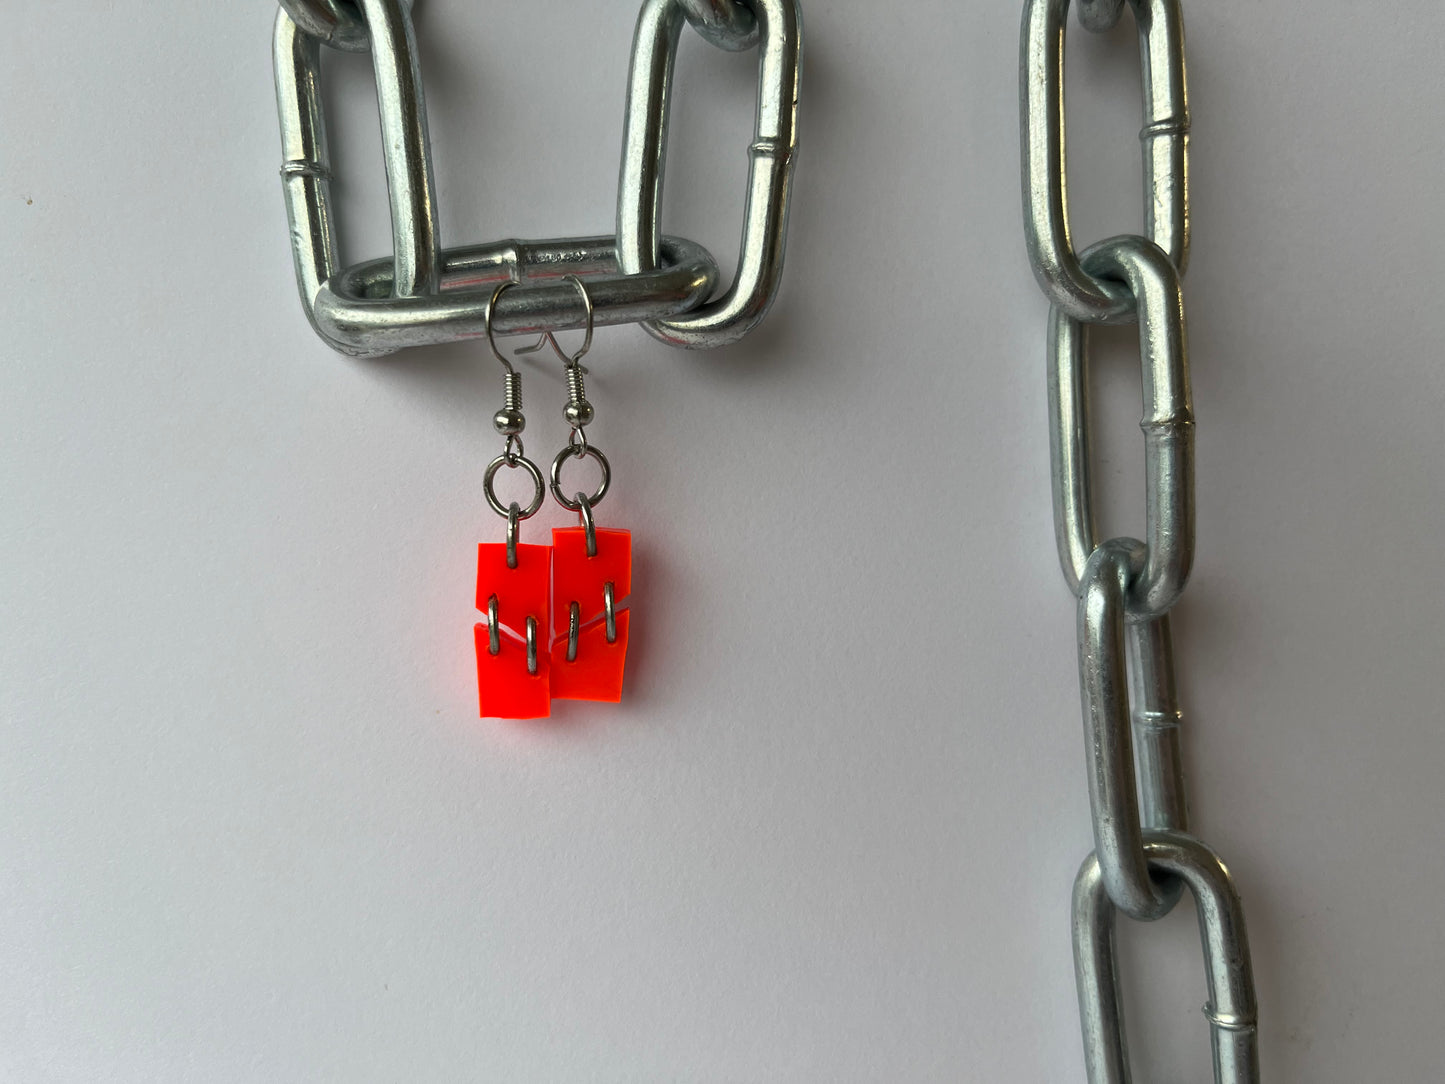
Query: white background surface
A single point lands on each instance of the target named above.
(250, 828)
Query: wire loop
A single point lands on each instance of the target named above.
(588, 452)
(539, 488)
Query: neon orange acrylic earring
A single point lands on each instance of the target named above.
(591, 567)
(557, 617)
(513, 581)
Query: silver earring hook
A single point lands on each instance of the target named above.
(548, 339)
(487, 322)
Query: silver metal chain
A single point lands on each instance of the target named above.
(1144, 856)
(426, 294)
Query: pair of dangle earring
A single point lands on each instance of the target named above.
(556, 616)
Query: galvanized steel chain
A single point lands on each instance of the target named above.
(426, 294)
(1142, 861)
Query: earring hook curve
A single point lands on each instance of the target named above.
(549, 339)
(487, 322)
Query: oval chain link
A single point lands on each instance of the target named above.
(773, 152)
(1165, 135)
(1228, 972)
(1103, 684)
(1151, 286)
(1143, 857)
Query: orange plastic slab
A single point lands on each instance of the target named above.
(505, 689)
(596, 673)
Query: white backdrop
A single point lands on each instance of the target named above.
(250, 828)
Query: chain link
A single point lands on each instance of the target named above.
(1151, 287)
(1231, 1008)
(425, 294)
(1143, 856)
(1165, 136)
(1113, 793)
(773, 153)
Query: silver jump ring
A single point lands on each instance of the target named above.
(338, 23)
(574, 625)
(589, 452)
(589, 525)
(514, 521)
(728, 24)
(539, 488)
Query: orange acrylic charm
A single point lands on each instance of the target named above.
(590, 597)
(513, 660)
